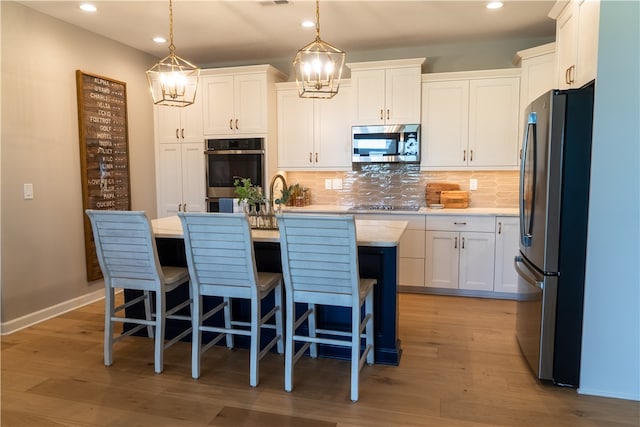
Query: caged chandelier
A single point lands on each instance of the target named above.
(318, 67)
(173, 81)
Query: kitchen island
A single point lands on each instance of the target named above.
(377, 257)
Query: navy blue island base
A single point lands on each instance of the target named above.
(376, 262)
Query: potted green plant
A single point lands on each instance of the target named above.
(247, 192)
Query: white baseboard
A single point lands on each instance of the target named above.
(49, 312)
(608, 393)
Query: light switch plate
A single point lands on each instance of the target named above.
(337, 183)
(327, 184)
(473, 184)
(28, 191)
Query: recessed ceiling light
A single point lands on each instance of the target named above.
(88, 7)
(308, 24)
(494, 5)
(159, 39)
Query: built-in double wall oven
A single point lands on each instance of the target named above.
(227, 159)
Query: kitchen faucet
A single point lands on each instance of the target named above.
(272, 184)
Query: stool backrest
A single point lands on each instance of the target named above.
(126, 249)
(219, 249)
(319, 253)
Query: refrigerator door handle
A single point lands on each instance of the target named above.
(526, 210)
(525, 274)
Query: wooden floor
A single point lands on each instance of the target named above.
(460, 367)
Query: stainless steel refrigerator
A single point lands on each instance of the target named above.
(554, 193)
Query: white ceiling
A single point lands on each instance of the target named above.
(217, 31)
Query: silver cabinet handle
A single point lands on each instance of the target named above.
(310, 157)
(500, 228)
(387, 114)
(184, 208)
(464, 155)
(455, 243)
(231, 124)
(471, 156)
(459, 223)
(177, 137)
(463, 243)
(381, 114)
(236, 124)
(316, 157)
(182, 133)
(179, 207)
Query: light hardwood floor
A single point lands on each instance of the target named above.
(460, 367)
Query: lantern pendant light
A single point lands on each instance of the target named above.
(173, 81)
(318, 67)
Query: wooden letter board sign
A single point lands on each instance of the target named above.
(104, 152)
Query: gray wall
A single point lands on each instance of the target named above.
(42, 239)
(461, 56)
(611, 339)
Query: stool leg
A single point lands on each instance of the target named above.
(228, 313)
(277, 293)
(108, 324)
(196, 336)
(290, 319)
(254, 351)
(313, 349)
(159, 338)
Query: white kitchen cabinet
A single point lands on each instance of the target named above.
(537, 77)
(459, 252)
(386, 92)
(410, 249)
(179, 124)
(507, 233)
(577, 26)
(180, 178)
(470, 120)
(313, 133)
(236, 100)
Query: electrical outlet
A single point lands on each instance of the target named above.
(337, 184)
(327, 184)
(473, 184)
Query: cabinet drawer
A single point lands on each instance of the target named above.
(461, 223)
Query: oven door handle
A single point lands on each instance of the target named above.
(222, 152)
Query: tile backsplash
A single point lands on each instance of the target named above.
(405, 184)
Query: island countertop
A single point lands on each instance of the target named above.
(376, 233)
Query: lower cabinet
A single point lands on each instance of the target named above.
(181, 178)
(459, 260)
(459, 252)
(507, 233)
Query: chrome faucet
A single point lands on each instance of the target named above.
(271, 185)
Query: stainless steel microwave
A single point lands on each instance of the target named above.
(386, 144)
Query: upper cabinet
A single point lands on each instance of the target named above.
(236, 100)
(577, 24)
(537, 76)
(314, 133)
(386, 92)
(179, 125)
(470, 119)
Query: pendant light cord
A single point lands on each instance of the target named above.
(317, 20)
(172, 47)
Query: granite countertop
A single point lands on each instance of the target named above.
(422, 211)
(379, 233)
